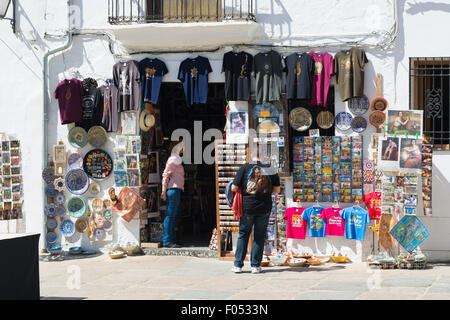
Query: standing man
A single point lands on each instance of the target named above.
(257, 182)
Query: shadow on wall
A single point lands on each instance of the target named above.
(416, 8)
(276, 20)
(441, 185)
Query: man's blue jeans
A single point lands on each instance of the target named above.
(246, 223)
(173, 202)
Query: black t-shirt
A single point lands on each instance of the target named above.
(252, 202)
(237, 68)
(91, 109)
(299, 75)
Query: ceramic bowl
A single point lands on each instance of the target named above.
(339, 259)
(67, 228)
(76, 207)
(77, 181)
(77, 137)
(54, 249)
(116, 254)
(75, 250)
(297, 262)
(277, 261)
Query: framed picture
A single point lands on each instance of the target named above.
(406, 123)
(153, 167)
(410, 153)
(153, 200)
(128, 122)
(237, 122)
(120, 178)
(134, 177)
(156, 231)
(390, 149)
(134, 145)
(132, 161)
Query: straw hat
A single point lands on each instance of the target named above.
(146, 120)
(81, 225)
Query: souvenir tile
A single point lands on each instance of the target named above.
(16, 196)
(15, 152)
(16, 179)
(410, 199)
(17, 188)
(59, 153)
(15, 161)
(133, 177)
(15, 143)
(411, 179)
(410, 210)
(120, 178)
(7, 194)
(6, 170)
(15, 170)
(6, 182)
(5, 146)
(6, 157)
(410, 189)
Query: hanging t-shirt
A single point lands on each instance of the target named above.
(334, 222)
(315, 222)
(110, 118)
(295, 226)
(299, 75)
(268, 70)
(152, 72)
(127, 80)
(355, 222)
(92, 110)
(349, 71)
(323, 70)
(373, 203)
(237, 67)
(69, 93)
(247, 178)
(194, 75)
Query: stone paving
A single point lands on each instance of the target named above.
(182, 277)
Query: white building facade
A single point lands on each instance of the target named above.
(391, 32)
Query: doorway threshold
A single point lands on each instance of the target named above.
(200, 252)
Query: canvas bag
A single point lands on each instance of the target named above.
(129, 204)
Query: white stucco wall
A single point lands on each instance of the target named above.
(306, 24)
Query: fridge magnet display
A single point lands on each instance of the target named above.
(390, 149)
(77, 137)
(98, 164)
(343, 121)
(128, 122)
(359, 105)
(406, 123)
(300, 119)
(410, 153)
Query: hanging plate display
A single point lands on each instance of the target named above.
(48, 174)
(51, 237)
(343, 120)
(75, 160)
(82, 225)
(98, 164)
(52, 223)
(76, 207)
(359, 106)
(50, 190)
(377, 118)
(359, 124)
(268, 126)
(67, 228)
(325, 119)
(300, 119)
(77, 137)
(50, 210)
(97, 136)
(77, 181)
(60, 199)
(60, 211)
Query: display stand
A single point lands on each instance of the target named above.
(229, 158)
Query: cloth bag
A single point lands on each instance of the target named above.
(129, 204)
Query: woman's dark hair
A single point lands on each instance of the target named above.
(263, 185)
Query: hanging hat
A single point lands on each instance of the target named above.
(146, 120)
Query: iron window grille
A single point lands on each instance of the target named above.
(168, 11)
(429, 86)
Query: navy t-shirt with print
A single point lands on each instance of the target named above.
(252, 202)
(194, 75)
(152, 72)
(299, 75)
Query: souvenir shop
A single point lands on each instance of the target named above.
(349, 177)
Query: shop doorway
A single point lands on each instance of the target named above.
(197, 214)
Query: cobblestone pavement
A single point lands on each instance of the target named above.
(180, 277)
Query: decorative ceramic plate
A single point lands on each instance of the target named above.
(50, 210)
(77, 181)
(82, 225)
(60, 211)
(97, 204)
(51, 237)
(76, 207)
(77, 137)
(59, 184)
(107, 225)
(75, 160)
(67, 228)
(48, 174)
(377, 118)
(343, 120)
(98, 164)
(52, 223)
(359, 106)
(300, 119)
(50, 190)
(97, 136)
(325, 119)
(60, 199)
(359, 124)
(107, 214)
(94, 188)
(99, 233)
(75, 250)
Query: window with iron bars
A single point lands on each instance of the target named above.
(429, 85)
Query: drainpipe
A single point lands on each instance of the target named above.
(45, 108)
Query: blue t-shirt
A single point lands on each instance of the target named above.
(355, 222)
(194, 75)
(316, 224)
(152, 71)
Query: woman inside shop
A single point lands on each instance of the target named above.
(257, 182)
(172, 186)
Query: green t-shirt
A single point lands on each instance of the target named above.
(268, 70)
(349, 71)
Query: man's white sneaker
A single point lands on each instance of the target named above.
(236, 269)
(256, 269)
